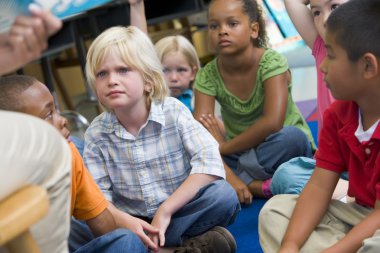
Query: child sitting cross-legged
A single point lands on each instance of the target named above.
(27, 95)
(148, 154)
(349, 141)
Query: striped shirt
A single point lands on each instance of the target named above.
(138, 173)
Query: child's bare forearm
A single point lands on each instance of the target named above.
(301, 16)
(102, 224)
(364, 230)
(137, 14)
(311, 206)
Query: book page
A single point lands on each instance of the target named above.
(10, 9)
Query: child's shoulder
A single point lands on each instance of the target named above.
(172, 104)
(272, 63)
(102, 123)
(271, 56)
(342, 111)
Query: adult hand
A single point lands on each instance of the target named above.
(26, 39)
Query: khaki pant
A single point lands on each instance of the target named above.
(339, 219)
(33, 152)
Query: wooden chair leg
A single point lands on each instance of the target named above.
(18, 212)
(23, 243)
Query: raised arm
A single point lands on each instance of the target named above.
(26, 39)
(137, 14)
(302, 18)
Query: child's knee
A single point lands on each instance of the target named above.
(291, 176)
(295, 139)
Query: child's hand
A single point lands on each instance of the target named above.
(161, 220)
(242, 190)
(141, 229)
(136, 225)
(211, 124)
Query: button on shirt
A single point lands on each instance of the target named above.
(138, 173)
(340, 150)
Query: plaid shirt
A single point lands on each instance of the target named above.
(138, 173)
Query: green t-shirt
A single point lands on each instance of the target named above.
(238, 115)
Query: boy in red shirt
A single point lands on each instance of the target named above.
(349, 141)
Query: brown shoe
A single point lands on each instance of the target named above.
(216, 240)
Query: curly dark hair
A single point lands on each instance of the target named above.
(255, 13)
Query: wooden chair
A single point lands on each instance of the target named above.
(18, 212)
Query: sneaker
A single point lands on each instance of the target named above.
(216, 240)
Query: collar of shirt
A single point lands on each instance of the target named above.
(186, 94)
(156, 114)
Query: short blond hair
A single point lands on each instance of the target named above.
(178, 43)
(136, 50)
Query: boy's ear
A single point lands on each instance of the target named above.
(255, 30)
(370, 66)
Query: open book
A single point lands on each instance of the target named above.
(10, 9)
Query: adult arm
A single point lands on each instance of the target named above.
(302, 19)
(310, 208)
(26, 39)
(137, 14)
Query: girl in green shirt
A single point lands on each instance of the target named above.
(252, 83)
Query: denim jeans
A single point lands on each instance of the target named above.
(119, 240)
(79, 143)
(260, 163)
(215, 204)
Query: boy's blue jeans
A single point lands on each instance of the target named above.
(215, 204)
(119, 240)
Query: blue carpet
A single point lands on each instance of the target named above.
(313, 125)
(245, 228)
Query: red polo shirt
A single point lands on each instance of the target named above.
(339, 150)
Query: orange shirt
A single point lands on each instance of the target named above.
(87, 201)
